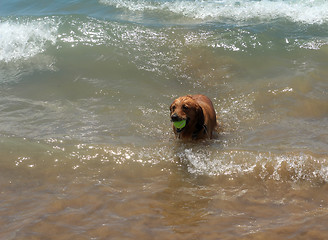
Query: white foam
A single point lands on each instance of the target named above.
(22, 40)
(293, 166)
(305, 11)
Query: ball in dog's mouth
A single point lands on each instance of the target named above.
(180, 124)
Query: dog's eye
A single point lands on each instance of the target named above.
(173, 108)
(185, 107)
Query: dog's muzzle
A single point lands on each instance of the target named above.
(175, 118)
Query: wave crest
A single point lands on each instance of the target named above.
(27, 38)
(309, 12)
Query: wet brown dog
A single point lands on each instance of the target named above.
(200, 116)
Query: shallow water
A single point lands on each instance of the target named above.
(86, 145)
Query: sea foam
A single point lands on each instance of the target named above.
(25, 39)
(304, 11)
(294, 166)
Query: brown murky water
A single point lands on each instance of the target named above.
(103, 193)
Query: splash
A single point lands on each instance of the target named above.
(292, 166)
(24, 39)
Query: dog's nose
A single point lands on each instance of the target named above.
(175, 117)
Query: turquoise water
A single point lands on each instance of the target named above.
(87, 149)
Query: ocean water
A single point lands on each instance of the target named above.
(86, 144)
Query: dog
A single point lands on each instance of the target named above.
(197, 115)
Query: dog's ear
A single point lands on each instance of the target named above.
(199, 117)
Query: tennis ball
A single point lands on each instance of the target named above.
(179, 124)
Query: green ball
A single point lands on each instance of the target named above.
(180, 124)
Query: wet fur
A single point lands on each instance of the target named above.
(199, 113)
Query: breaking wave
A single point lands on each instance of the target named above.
(309, 12)
(22, 39)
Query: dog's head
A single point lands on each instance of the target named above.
(186, 108)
